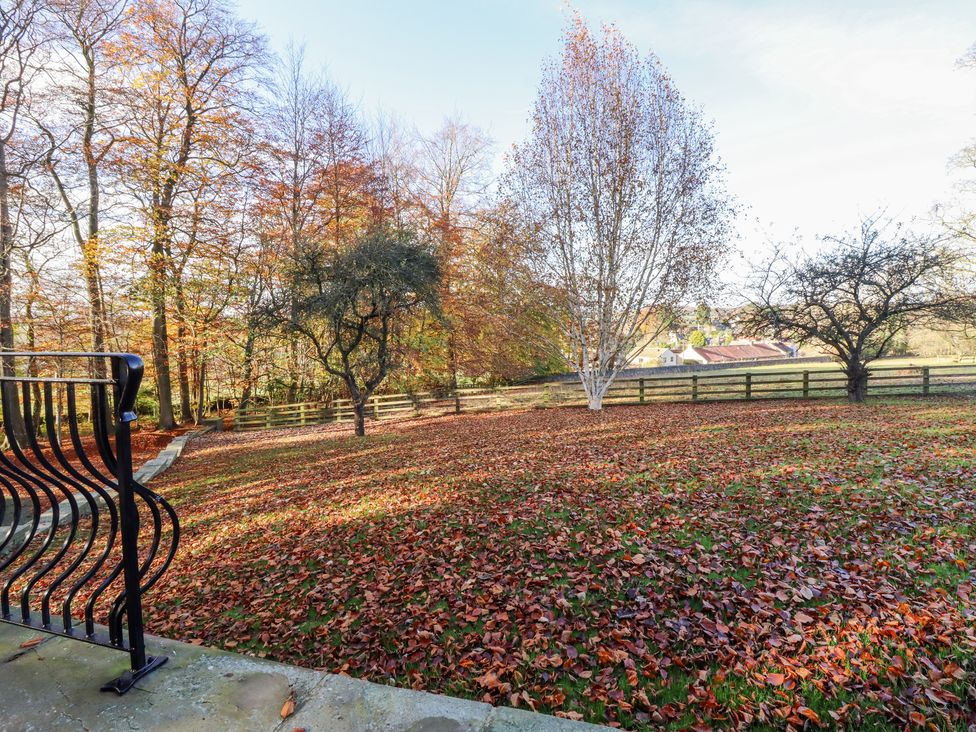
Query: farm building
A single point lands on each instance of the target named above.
(649, 356)
(737, 351)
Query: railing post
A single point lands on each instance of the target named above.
(806, 384)
(127, 384)
(641, 386)
(748, 386)
(694, 387)
(925, 380)
(376, 408)
(129, 524)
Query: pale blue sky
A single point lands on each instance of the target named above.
(823, 110)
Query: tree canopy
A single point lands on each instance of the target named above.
(858, 294)
(351, 305)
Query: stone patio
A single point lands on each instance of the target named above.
(54, 685)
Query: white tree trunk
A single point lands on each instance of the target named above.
(620, 187)
(595, 387)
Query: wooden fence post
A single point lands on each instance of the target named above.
(806, 384)
(925, 380)
(694, 387)
(748, 386)
(641, 385)
(376, 408)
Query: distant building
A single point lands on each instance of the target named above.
(668, 358)
(737, 351)
(789, 349)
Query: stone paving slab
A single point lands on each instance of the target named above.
(54, 685)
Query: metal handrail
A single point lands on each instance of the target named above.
(57, 554)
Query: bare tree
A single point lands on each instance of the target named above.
(37, 231)
(296, 161)
(452, 175)
(82, 130)
(859, 294)
(393, 150)
(622, 189)
(351, 179)
(20, 40)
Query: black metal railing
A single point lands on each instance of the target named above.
(80, 540)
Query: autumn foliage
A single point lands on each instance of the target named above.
(731, 566)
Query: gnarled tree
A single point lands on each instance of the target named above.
(351, 305)
(856, 296)
(622, 190)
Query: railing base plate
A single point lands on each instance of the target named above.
(127, 680)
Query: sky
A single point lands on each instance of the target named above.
(823, 111)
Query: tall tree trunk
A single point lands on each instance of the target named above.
(292, 394)
(33, 293)
(6, 256)
(97, 318)
(160, 337)
(358, 397)
(201, 388)
(857, 381)
(89, 247)
(182, 355)
(248, 364)
(453, 365)
(6, 292)
(296, 253)
(96, 307)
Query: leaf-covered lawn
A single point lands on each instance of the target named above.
(728, 565)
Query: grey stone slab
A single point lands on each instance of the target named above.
(390, 709)
(13, 638)
(507, 719)
(337, 704)
(51, 687)
(54, 685)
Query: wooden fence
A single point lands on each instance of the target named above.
(793, 384)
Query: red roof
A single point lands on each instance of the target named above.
(754, 351)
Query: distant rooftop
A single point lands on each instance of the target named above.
(740, 352)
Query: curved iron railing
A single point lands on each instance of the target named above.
(80, 539)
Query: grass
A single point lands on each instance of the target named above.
(737, 565)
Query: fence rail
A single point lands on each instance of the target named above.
(80, 540)
(786, 384)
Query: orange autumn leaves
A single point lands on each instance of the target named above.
(724, 566)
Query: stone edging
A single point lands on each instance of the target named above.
(167, 456)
